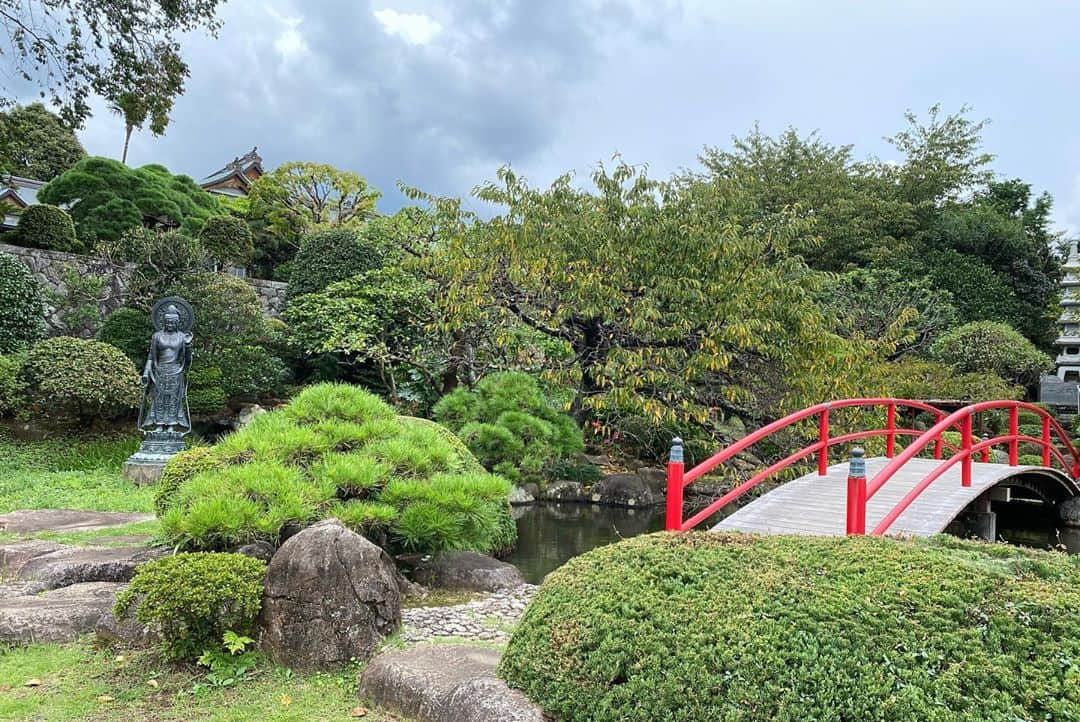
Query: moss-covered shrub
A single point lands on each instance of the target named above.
(12, 384)
(994, 347)
(49, 227)
(706, 626)
(78, 379)
(510, 426)
(227, 239)
(22, 306)
(193, 599)
(336, 450)
(129, 329)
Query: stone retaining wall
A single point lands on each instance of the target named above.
(51, 267)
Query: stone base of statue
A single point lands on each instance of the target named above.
(145, 465)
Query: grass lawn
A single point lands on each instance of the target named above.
(82, 682)
(69, 473)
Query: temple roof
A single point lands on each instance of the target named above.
(236, 168)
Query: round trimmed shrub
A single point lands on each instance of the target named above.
(205, 393)
(336, 450)
(49, 227)
(193, 599)
(74, 378)
(228, 239)
(994, 347)
(336, 254)
(12, 385)
(22, 306)
(129, 329)
(710, 626)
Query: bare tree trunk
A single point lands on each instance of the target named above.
(128, 128)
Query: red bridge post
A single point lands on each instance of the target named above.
(823, 439)
(965, 449)
(856, 492)
(675, 486)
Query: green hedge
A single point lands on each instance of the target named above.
(709, 626)
(76, 379)
(336, 450)
(129, 330)
(49, 227)
(22, 306)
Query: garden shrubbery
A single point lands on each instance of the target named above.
(49, 227)
(227, 239)
(990, 346)
(77, 379)
(511, 427)
(336, 254)
(12, 384)
(22, 306)
(193, 599)
(723, 627)
(129, 330)
(336, 450)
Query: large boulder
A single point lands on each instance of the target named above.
(331, 596)
(1069, 511)
(623, 490)
(61, 565)
(445, 683)
(60, 615)
(467, 571)
(564, 491)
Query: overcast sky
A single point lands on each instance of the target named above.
(440, 93)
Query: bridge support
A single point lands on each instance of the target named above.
(980, 522)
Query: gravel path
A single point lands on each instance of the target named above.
(490, 619)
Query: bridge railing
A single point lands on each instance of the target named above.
(1051, 433)
(679, 477)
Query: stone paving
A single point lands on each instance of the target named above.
(488, 619)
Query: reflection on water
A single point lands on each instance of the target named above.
(549, 535)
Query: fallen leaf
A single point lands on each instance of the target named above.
(286, 700)
(35, 682)
(153, 683)
(120, 658)
(358, 712)
(105, 698)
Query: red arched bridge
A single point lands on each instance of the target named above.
(916, 490)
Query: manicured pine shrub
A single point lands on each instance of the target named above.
(336, 450)
(191, 600)
(228, 240)
(74, 379)
(709, 626)
(48, 227)
(22, 306)
(510, 426)
(129, 330)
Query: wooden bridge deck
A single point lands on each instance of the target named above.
(817, 505)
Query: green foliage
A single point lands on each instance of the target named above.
(179, 469)
(918, 378)
(510, 426)
(335, 254)
(22, 306)
(336, 450)
(106, 198)
(696, 626)
(162, 259)
(128, 329)
(35, 143)
(206, 394)
(45, 226)
(251, 371)
(993, 347)
(227, 239)
(12, 384)
(78, 306)
(193, 599)
(230, 663)
(73, 379)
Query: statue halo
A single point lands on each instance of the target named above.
(187, 314)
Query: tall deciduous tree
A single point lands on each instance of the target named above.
(69, 49)
(35, 143)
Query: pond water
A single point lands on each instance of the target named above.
(549, 535)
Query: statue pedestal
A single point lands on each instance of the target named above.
(145, 465)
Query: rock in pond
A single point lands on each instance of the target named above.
(520, 497)
(1069, 511)
(445, 683)
(563, 491)
(467, 571)
(623, 490)
(331, 596)
(60, 615)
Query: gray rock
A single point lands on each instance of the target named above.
(143, 472)
(596, 459)
(520, 497)
(623, 490)
(127, 631)
(445, 683)
(20, 589)
(468, 571)
(57, 616)
(531, 489)
(655, 478)
(32, 521)
(247, 413)
(564, 491)
(1069, 511)
(64, 565)
(263, 550)
(331, 596)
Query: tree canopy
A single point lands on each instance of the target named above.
(35, 143)
(106, 198)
